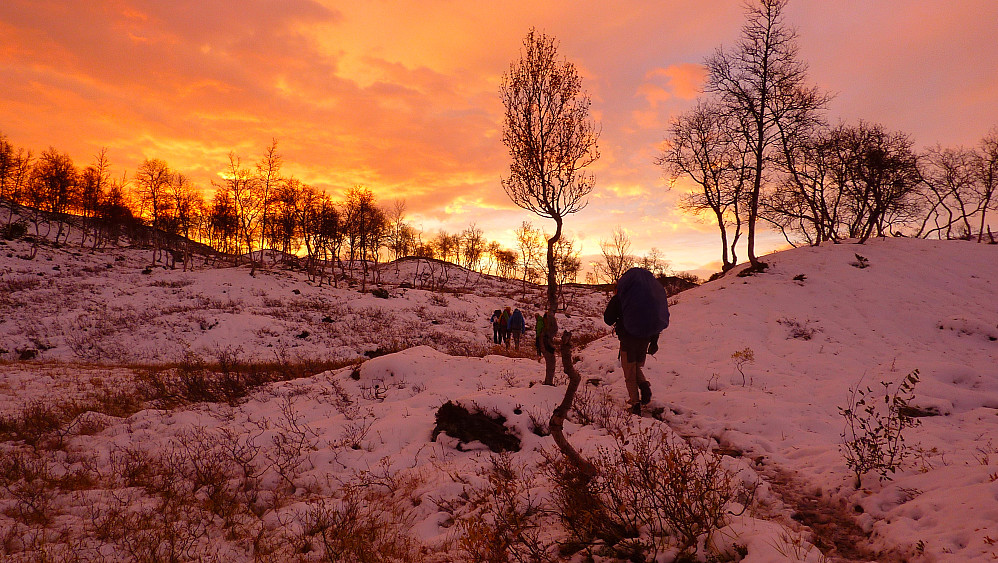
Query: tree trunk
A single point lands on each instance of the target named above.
(725, 263)
(552, 271)
(557, 424)
(551, 324)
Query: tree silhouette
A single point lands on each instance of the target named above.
(762, 84)
(550, 140)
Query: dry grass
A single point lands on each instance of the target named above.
(506, 517)
(654, 493)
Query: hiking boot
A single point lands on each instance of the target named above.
(636, 409)
(645, 389)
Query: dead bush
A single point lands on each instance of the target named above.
(36, 421)
(364, 524)
(228, 379)
(94, 336)
(582, 336)
(29, 483)
(48, 425)
(539, 421)
(676, 492)
(653, 493)
(799, 330)
(506, 517)
(291, 445)
(581, 510)
(22, 283)
(595, 405)
(160, 528)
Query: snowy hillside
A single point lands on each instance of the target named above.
(68, 304)
(325, 467)
(925, 305)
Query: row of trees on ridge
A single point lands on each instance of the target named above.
(252, 208)
(758, 146)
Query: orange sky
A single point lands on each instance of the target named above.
(402, 96)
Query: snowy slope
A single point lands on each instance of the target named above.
(926, 305)
(68, 304)
(931, 306)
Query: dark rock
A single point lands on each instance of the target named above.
(918, 412)
(458, 422)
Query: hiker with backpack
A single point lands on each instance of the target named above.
(504, 325)
(516, 326)
(539, 331)
(497, 329)
(639, 312)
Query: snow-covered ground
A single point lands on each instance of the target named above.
(806, 332)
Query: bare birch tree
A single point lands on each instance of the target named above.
(704, 146)
(762, 83)
(617, 257)
(987, 179)
(551, 140)
(268, 184)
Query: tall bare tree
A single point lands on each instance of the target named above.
(365, 226)
(617, 257)
(473, 246)
(569, 263)
(762, 83)
(240, 185)
(987, 179)
(884, 176)
(809, 201)
(152, 181)
(401, 237)
(852, 181)
(528, 240)
(15, 167)
(655, 262)
(54, 186)
(551, 140)
(505, 260)
(95, 180)
(267, 185)
(950, 175)
(703, 145)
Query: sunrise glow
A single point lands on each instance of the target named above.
(403, 97)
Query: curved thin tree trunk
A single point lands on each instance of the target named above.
(557, 424)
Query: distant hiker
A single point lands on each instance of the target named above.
(539, 333)
(516, 326)
(638, 311)
(497, 329)
(545, 338)
(547, 334)
(504, 324)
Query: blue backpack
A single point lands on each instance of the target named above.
(644, 303)
(516, 321)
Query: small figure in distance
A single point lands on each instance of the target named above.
(504, 325)
(539, 334)
(517, 324)
(496, 329)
